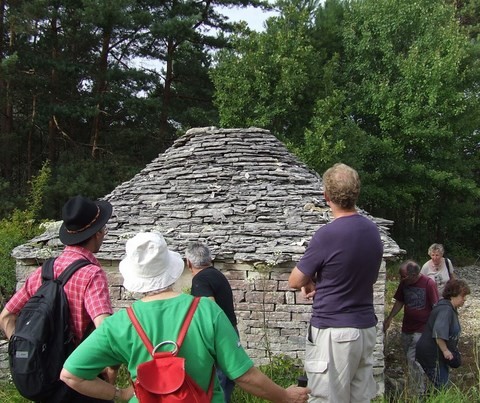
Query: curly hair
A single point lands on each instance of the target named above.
(342, 184)
(455, 287)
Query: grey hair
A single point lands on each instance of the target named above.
(198, 254)
(436, 247)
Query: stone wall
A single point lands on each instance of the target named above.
(4, 369)
(272, 318)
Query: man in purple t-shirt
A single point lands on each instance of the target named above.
(338, 270)
(416, 294)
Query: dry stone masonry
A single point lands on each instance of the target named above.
(254, 203)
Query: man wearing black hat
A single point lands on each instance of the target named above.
(82, 232)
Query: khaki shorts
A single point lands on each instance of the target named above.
(339, 364)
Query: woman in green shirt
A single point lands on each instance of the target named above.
(150, 268)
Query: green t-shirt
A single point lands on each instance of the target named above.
(210, 339)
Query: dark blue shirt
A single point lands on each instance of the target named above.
(345, 257)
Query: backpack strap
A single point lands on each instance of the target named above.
(448, 267)
(183, 330)
(138, 327)
(47, 269)
(48, 274)
(72, 268)
(186, 321)
(181, 336)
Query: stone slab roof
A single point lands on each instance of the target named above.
(239, 190)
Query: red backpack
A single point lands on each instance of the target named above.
(164, 379)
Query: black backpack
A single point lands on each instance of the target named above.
(43, 340)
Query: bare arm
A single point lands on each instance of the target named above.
(397, 307)
(109, 373)
(300, 281)
(442, 345)
(7, 322)
(96, 388)
(257, 383)
(100, 318)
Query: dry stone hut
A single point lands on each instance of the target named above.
(244, 194)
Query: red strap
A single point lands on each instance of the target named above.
(187, 320)
(181, 335)
(210, 387)
(139, 329)
(183, 330)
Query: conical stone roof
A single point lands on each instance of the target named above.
(239, 190)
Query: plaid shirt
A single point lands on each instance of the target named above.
(87, 290)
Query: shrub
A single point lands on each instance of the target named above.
(18, 228)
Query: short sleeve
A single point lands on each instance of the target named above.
(201, 286)
(97, 297)
(230, 355)
(20, 298)
(399, 293)
(441, 326)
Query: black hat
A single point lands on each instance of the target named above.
(82, 218)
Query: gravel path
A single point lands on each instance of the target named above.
(470, 312)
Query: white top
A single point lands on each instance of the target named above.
(440, 276)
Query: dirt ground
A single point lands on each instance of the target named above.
(465, 376)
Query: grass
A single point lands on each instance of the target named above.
(9, 394)
(282, 369)
(285, 371)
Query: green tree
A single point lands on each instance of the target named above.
(270, 79)
(406, 116)
(389, 87)
(73, 90)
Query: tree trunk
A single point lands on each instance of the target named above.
(30, 136)
(6, 107)
(52, 125)
(101, 88)
(167, 91)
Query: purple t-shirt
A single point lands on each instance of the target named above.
(345, 256)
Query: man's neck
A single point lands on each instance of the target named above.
(196, 270)
(340, 212)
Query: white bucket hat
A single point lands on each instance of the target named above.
(148, 264)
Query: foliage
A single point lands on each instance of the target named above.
(74, 86)
(92, 179)
(272, 75)
(8, 393)
(18, 228)
(453, 395)
(391, 88)
(409, 65)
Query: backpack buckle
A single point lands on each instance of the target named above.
(175, 348)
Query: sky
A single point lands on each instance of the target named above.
(255, 17)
